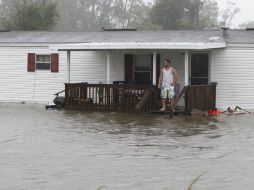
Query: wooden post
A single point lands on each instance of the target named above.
(144, 100)
(188, 100)
(67, 98)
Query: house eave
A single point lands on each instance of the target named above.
(137, 46)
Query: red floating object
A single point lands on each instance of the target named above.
(214, 112)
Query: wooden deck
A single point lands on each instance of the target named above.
(134, 98)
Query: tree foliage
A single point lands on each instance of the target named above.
(208, 15)
(28, 14)
(168, 13)
(185, 14)
(92, 15)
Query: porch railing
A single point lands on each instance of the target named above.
(109, 97)
(133, 98)
(201, 97)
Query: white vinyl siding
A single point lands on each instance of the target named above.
(117, 66)
(233, 70)
(16, 84)
(88, 66)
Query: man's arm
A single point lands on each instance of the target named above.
(160, 79)
(176, 76)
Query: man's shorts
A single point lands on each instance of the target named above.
(168, 92)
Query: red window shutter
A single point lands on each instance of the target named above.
(55, 62)
(31, 62)
(129, 68)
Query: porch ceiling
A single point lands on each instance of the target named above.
(138, 46)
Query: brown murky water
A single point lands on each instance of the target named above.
(63, 150)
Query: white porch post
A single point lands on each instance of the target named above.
(68, 66)
(186, 68)
(154, 67)
(108, 67)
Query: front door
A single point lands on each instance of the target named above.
(199, 69)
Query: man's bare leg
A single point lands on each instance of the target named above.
(171, 103)
(163, 104)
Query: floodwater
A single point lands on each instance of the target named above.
(67, 150)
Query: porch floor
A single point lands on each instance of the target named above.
(179, 110)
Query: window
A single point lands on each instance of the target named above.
(142, 69)
(199, 68)
(43, 62)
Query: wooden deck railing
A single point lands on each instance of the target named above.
(133, 98)
(201, 97)
(109, 97)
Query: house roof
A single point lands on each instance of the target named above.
(111, 36)
(240, 36)
(233, 36)
(174, 39)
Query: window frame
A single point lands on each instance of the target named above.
(40, 62)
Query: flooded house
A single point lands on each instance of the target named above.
(119, 69)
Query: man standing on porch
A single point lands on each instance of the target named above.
(167, 80)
